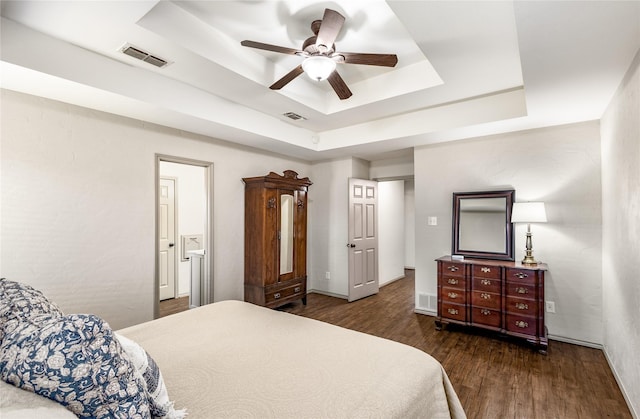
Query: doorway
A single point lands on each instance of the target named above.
(192, 237)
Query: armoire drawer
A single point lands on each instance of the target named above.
(280, 293)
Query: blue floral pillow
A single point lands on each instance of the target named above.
(20, 302)
(76, 361)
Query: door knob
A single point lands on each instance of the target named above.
(351, 245)
(171, 244)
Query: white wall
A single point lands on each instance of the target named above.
(391, 238)
(560, 166)
(328, 232)
(621, 233)
(78, 204)
(191, 206)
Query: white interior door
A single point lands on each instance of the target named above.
(167, 238)
(363, 238)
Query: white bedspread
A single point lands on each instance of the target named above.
(235, 359)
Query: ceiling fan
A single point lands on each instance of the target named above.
(321, 56)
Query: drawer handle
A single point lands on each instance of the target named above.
(522, 306)
(452, 311)
(485, 269)
(452, 295)
(453, 268)
(485, 296)
(276, 295)
(452, 281)
(521, 275)
(296, 289)
(522, 290)
(485, 282)
(522, 324)
(485, 312)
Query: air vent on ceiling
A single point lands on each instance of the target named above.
(143, 55)
(294, 116)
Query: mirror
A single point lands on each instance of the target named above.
(481, 224)
(286, 234)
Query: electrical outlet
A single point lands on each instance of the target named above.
(327, 275)
(551, 307)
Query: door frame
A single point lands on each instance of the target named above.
(207, 292)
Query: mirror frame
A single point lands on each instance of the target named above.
(479, 253)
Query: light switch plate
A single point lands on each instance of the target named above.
(432, 221)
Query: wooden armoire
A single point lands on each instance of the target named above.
(275, 239)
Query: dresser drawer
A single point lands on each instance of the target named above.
(280, 293)
(521, 275)
(486, 316)
(521, 324)
(522, 306)
(451, 269)
(453, 295)
(485, 271)
(485, 299)
(453, 282)
(454, 311)
(521, 290)
(485, 284)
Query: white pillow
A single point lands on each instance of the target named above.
(159, 403)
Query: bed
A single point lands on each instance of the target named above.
(235, 359)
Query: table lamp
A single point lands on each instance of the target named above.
(528, 212)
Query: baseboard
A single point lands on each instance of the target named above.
(575, 341)
(634, 414)
(328, 294)
(425, 312)
(392, 281)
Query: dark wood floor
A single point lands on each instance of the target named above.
(494, 377)
(174, 305)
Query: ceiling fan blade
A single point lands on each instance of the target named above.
(339, 86)
(287, 78)
(269, 47)
(332, 22)
(384, 60)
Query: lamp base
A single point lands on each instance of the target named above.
(528, 255)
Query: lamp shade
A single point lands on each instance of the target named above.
(318, 67)
(528, 212)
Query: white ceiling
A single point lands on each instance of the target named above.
(465, 69)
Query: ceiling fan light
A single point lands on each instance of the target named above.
(318, 67)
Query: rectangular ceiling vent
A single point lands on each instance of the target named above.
(143, 55)
(294, 116)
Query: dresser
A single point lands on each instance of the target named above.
(506, 297)
(275, 239)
